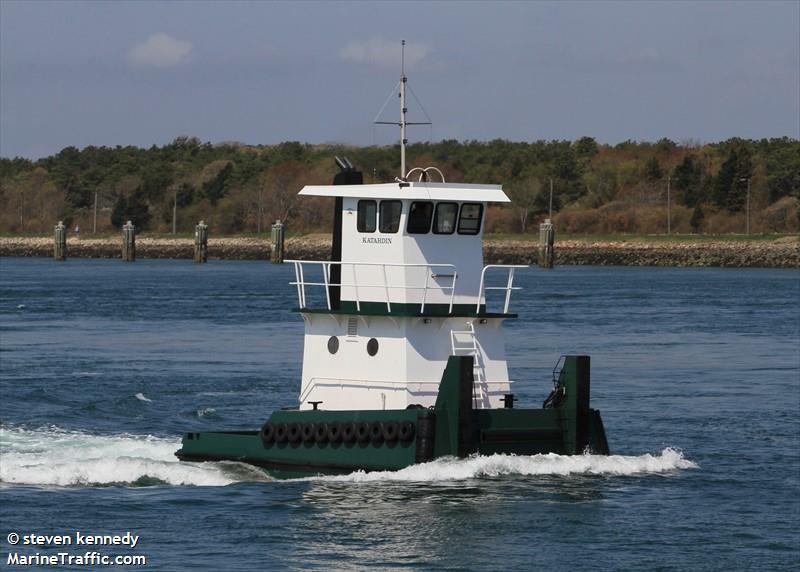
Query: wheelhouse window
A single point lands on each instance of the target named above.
(419, 217)
(390, 216)
(444, 221)
(367, 216)
(470, 220)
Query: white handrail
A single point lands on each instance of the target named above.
(508, 287)
(301, 283)
(315, 382)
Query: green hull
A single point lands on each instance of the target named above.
(302, 443)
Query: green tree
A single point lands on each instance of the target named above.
(730, 185)
(687, 177)
(216, 188)
(652, 170)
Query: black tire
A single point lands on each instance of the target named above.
(376, 433)
(307, 432)
(406, 431)
(389, 431)
(267, 433)
(362, 432)
(335, 432)
(293, 433)
(348, 432)
(281, 432)
(321, 432)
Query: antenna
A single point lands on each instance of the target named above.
(403, 111)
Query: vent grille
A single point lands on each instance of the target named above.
(352, 327)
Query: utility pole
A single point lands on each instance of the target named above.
(174, 210)
(669, 206)
(550, 216)
(94, 222)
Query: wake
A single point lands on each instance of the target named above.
(56, 457)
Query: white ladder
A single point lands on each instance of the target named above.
(465, 343)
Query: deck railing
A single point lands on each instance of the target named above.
(440, 271)
(508, 287)
(430, 272)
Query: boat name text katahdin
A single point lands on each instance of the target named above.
(376, 240)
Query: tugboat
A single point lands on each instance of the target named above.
(404, 357)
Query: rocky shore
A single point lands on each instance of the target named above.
(780, 253)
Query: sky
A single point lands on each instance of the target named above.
(143, 73)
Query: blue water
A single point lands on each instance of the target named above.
(696, 372)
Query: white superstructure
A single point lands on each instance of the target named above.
(408, 290)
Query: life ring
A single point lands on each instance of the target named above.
(406, 431)
(281, 431)
(362, 432)
(335, 432)
(348, 431)
(307, 432)
(389, 431)
(293, 433)
(320, 432)
(267, 433)
(376, 433)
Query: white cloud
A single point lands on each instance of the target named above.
(161, 51)
(384, 53)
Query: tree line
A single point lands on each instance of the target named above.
(597, 188)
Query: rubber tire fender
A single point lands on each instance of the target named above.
(406, 431)
(281, 432)
(267, 433)
(376, 433)
(307, 432)
(348, 431)
(362, 432)
(389, 431)
(321, 433)
(335, 432)
(293, 433)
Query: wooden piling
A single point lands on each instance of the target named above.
(60, 246)
(201, 242)
(277, 242)
(128, 242)
(547, 238)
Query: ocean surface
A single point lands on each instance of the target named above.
(696, 373)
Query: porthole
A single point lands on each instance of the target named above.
(333, 344)
(372, 346)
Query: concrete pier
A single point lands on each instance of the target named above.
(277, 242)
(547, 238)
(129, 242)
(201, 242)
(60, 242)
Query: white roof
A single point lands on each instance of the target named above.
(412, 190)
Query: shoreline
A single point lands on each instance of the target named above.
(779, 253)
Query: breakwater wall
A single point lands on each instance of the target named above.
(780, 253)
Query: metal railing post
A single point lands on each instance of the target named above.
(325, 270)
(386, 289)
(508, 289)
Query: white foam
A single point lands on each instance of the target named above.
(205, 411)
(64, 458)
(451, 469)
(141, 397)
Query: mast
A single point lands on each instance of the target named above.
(403, 111)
